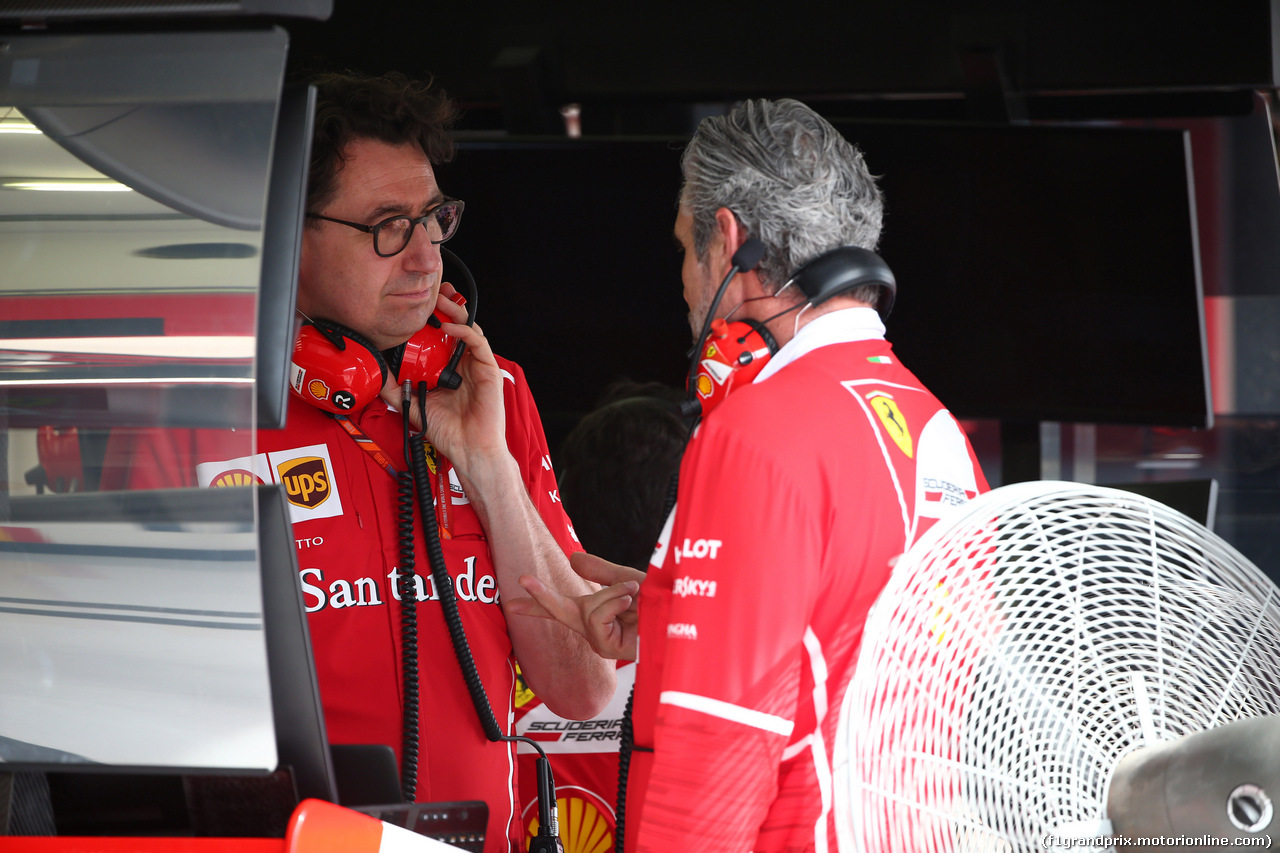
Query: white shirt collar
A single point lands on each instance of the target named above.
(838, 327)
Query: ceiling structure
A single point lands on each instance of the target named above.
(647, 68)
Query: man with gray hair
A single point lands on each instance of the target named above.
(795, 495)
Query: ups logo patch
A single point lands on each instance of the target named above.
(306, 481)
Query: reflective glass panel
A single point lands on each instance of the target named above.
(131, 632)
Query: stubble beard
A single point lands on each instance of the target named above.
(698, 315)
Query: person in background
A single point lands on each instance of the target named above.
(615, 469)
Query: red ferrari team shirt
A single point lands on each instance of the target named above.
(344, 510)
(794, 496)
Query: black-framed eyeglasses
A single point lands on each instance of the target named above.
(391, 236)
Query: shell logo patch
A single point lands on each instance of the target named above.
(237, 477)
(892, 420)
(318, 389)
(306, 481)
(305, 472)
(586, 821)
(712, 371)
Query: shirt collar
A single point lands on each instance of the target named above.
(838, 327)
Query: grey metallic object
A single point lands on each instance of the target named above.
(198, 126)
(1219, 783)
(98, 9)
(186, 119)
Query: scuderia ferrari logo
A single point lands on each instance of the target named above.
(892, 420)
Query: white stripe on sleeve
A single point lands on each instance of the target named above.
(726, 711)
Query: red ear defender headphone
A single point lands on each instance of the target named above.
(339, 370)
(731, 355)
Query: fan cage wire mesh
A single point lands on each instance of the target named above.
(1005, 666)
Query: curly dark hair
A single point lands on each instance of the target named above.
(390, 108)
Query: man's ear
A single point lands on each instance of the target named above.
(725, 241)
(728, 237)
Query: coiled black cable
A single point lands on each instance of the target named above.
(407, 586)
(548, 837)
(625, 744)
(444, 583)
(416, 478)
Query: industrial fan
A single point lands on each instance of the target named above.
(1059, 662)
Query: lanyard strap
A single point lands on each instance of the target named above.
(368, 445)
(437, 464)
(440, 467)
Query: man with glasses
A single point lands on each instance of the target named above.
(367, 266)
(391, 235)
(368, 270)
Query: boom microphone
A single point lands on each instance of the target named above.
(746, 258)
(748, 255)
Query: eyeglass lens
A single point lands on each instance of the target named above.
(392, 235)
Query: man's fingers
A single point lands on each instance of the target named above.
(601, 571)
(610, 609)
(528, 607)
(607, 603)
(557, 607)
(462, 331)
(455, 312)
(473, 337)
(601, 617)
(612, 628)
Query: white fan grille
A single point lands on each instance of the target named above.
(1022, 648)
